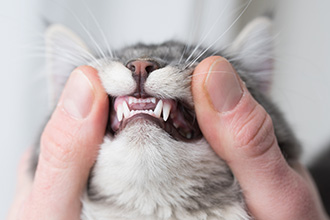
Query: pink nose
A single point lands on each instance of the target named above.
(141, 70)
(142, 67)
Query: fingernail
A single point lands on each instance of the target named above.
(223, 86)
(78, 95)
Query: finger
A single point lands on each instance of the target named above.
(241, 132)
(24, 185)
(69, 146)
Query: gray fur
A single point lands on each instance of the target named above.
(142, 172)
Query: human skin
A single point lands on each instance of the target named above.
(241, 132)
(237, 127)
(69, 147)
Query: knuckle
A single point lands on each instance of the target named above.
(57, 145)
(254, 131)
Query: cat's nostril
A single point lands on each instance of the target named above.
(142, 67)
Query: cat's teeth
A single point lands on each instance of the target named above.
(123, 110)
(166, 111)
(126, 110)
(158, 109)
(189, 135)
(120, 113)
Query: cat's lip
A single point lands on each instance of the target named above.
(171, 115)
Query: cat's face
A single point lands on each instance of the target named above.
(154, 160)
(151, 82)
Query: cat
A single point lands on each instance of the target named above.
(154, 162)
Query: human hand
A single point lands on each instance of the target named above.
(241, 132)
(69, 147)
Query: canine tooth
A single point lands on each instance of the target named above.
(120, 112)
(166, 111)
(153, 100)
(158, 109)
(126, 110)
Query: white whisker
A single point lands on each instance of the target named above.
(83, 52)
(100, 30)
(220, 37)
(208, 33)
(90, 36)
(207, 73)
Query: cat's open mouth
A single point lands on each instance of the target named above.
(174, 117)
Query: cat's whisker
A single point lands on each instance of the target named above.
(87, 56)
(185, 47)
(93, 40)
(208, 33)
(221, 36)
(83, 57)
(82, 52)
(194, 26)
(206, 73)
(64, 59)
(100, 30)
(90, 36)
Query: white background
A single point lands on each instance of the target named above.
(301, 81)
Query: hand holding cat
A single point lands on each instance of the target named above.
(241, 132)
(236, 126)
(69, 147)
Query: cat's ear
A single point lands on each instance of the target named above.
(64, 52)
(254, 49)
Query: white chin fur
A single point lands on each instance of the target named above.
(144, 174)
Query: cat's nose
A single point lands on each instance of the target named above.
(140, 71)
(142, 67)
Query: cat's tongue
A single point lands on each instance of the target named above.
(163, 112)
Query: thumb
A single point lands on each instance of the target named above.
(241, 132)
(69, 146)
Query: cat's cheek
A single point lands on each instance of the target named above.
(171, 83)
(117, 79)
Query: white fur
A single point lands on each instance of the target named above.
(144, 174)
(170, 82)
(116, 78)
(65, 50)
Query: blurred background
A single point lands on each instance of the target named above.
(302, 58)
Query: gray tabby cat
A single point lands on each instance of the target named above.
(154, 162)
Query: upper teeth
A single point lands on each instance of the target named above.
(158, 109)
(123, 110)
(135, 100)
(166, 111)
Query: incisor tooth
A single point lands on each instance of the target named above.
(126, 110)
(120, 112)
(158, 109)
(166, 111)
